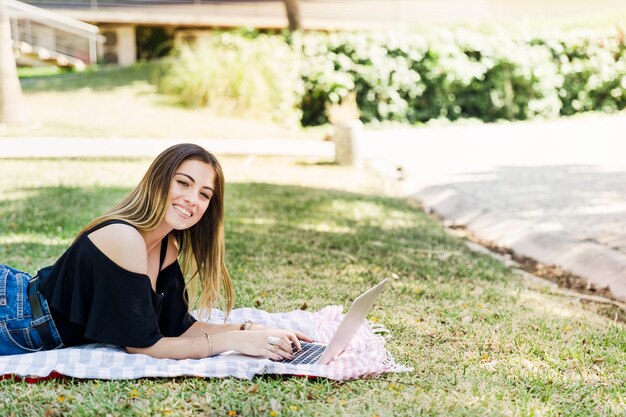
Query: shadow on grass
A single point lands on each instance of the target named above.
(38, 227)
(286, 230)
(99, 79)
(56, 212)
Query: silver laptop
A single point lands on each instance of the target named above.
(313, 353)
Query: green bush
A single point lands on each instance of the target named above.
(236, 75)
(593, 67)
(415, 78)
(408, 77)
(153, 42)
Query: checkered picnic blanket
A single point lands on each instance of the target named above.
(365, 356)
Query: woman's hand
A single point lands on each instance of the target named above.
(269, 343)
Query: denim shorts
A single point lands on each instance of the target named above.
(18, 333)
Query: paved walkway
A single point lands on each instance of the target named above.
(554, 191)
(147, 147)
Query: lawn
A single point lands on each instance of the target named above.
(482, 341)
(124, 102)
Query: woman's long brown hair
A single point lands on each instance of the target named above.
(201, 247)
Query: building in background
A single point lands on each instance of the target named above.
(135, 29)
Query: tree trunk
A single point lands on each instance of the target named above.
(11, 109)
(293, 14)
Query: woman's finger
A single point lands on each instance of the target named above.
(277, 349)
(304, 337)
(285, 345)
(272, 355)
(294, 340)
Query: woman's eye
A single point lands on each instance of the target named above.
(183, 183)
(205, 196)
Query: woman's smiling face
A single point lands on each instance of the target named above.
(191, 190)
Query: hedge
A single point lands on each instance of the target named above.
(452, 74)
(236, 75)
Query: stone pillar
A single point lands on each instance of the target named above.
(120, 46)
(127, 46)
(347, 138)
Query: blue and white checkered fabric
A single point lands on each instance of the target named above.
(366, 354)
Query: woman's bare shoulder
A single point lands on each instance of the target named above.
(122, 244)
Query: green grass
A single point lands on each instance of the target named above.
(25, 73)
(106, 101)
(482, 340)
(97, 77)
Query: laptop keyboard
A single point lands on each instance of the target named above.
(310, 353)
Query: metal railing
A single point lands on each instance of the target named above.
(40, 28)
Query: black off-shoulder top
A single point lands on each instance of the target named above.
(92, 299)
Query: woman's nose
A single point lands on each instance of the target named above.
(190, 199)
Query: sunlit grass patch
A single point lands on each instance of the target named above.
(13, 239)
(324, 227)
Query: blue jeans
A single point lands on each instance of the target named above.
(18, 333)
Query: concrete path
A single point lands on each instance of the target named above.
(148, 147)
(554, 191)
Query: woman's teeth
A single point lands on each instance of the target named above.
(183, 210)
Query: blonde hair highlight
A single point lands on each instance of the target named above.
(201, 247)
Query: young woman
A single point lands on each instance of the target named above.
(121, 281)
